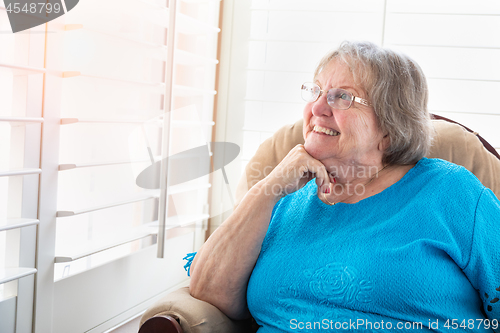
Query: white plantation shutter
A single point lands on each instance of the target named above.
(21, 91)
(276, 44)
(114, 135)
(82, 115)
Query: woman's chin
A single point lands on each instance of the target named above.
(316, 151)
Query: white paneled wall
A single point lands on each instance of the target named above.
(456, 43)
(481, 7)
(441, 29)
(458, 47)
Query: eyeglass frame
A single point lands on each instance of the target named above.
(356, 99)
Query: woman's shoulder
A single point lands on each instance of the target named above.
(437, 164)
(445, 174)
(443, 167)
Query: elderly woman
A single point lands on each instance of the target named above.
(356, 229)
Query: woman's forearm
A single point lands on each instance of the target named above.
(222, 266)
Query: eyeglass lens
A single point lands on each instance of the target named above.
(336, 98)
(310, 92)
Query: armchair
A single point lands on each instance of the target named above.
(179, 312)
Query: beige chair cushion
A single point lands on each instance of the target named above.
(195, 316)
(452, 143)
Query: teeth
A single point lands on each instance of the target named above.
(320, 129)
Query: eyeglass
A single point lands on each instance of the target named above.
(337, 98)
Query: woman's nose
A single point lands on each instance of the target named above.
(321, 107)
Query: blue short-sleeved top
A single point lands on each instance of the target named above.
(425, 250)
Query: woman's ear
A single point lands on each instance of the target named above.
(384, 143)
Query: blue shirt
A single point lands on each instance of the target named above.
(423, 255)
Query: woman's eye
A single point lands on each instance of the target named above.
(341, 96)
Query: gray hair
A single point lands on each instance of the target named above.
(397, 89)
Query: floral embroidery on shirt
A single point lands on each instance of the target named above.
(336, 283)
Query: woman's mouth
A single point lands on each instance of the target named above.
(319, 129)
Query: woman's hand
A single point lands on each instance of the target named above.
(295, 171)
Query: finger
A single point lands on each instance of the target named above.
(297, 148)
(308, 176)
(322, 177)
(315, 167)
(332, 178)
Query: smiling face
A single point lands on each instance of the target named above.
(335, 136)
